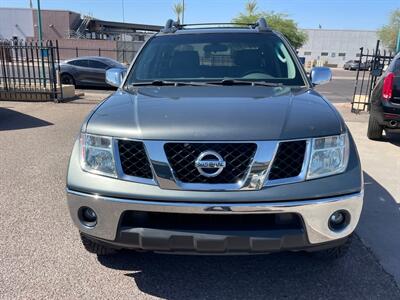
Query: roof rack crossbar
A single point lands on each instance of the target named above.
(171, 26)
(210, 24)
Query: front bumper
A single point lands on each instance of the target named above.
(314, 214)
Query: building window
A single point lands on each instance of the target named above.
(341, 54)
(324, 53)
(333, 54)
(307, 52)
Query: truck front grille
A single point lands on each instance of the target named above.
(134, 161)
(182, 157)
(288, 160)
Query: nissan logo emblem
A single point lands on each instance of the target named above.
(210, 164)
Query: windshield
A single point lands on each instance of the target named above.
(216, 57)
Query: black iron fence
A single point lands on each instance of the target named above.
(371, 65)
(28, 71)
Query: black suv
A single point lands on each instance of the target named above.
(385, 102)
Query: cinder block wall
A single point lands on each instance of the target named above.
(67, 48)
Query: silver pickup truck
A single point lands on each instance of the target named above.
(215, 142)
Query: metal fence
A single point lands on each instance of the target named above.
(370, 67)
(28, 71)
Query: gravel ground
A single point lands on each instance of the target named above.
(41, 256)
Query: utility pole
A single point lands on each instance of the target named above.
(123, 18)
(40, 36)
(183, 11)
(39, 16)
(123, 12)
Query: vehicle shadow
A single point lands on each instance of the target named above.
(284, 275)
(390, 137)
(275, 276)
(379, 225)
(393, 138)
(13, 120)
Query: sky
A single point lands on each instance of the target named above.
(330, 14)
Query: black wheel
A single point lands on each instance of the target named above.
(96, 248)
(336, 252)
(374, 129)
(67, 79)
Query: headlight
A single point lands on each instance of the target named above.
(97, 154)
(329, 156)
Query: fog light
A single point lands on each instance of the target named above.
(339, 220)
(87, 216)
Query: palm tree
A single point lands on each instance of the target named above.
(251, 7)
(250, 15)
(178, 10)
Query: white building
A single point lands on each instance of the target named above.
(16, 23)
(335, 47)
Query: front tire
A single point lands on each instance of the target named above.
(375, 130)
(96, 248)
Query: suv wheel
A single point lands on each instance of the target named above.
(374, 129)
(67, 79)
(336, 252)
(96, 248)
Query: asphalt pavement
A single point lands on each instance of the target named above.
(41, 256)
(341, 88)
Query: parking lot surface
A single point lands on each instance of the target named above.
(41, 256)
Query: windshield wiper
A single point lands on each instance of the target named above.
(246, 82)
(168, 83)
(194, 83)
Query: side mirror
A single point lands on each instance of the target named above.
(320, 75)
(114, 76)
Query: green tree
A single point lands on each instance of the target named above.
(388, 33)
(277, 21)
(178, 10)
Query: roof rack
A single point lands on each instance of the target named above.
(262, 25)
(171, 26)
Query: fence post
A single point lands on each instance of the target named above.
(375, 63)
(356, 83)
(99, 52)
(76, 51)
(59, 83)
(52, 70)
(3, 65)
(123, 55)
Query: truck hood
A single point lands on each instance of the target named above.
(223, 113)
